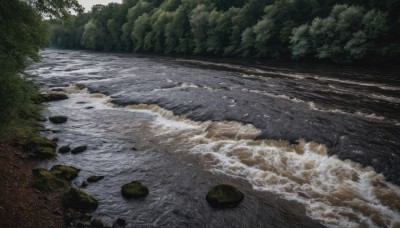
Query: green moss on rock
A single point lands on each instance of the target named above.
(64, 149)
(51, 96)
(41, 141)
(79, 200)
(40, 147)
(134, 189)
(44, 152)
(64, 172)
(224, 196)
(78, 149)
(44, 181)
(94, 178)
(58, 119)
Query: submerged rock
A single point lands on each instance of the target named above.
(64, 172)
(121, 222)
(78, 149)
(58, 119)
(92, 179)
(64, 149)
(79, 200)
(51, 96)
(224, 196)
(134, 189)
(45, 181)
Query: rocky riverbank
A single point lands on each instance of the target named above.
(21, 205)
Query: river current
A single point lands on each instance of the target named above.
(309, 145)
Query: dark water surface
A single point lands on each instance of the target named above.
(303, 142)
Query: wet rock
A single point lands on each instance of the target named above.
(79, 200)
(134, 149)
(80, 102)
(78, 149)
(55, 139)
(44, 181)
(58, 119)
(92, 179)
(57, 89)
(121, 222)
(64, 149)
(97, 223)
(84, 184)
(134, 189)
(67, 173)
(224, 196)
(55, 131)
(50, 96)
(90, 107)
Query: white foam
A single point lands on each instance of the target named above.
(335, 192)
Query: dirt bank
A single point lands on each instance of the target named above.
(20, 204)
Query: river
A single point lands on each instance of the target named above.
(309, 145)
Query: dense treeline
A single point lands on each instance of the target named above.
(23, 34)
(337, 30)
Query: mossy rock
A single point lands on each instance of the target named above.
(39, 141)
(64, 149)
(78, 149)
(79, 200)
(134, 189)
(58, 119)
(51, 96)
(97, 223)
(92, 179)
(64, 172)
(44, 152)
(44, 181)
(41, 147)
(224, 196)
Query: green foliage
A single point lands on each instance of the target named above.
(23, 34)
(338, 30)
(348, 33)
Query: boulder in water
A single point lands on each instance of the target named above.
(92, 179)
(64, 149)
(78, 149)
(67, 173)
(51, 96)
(79, 200)
(224, 196)
(58, 119)
(134, 189)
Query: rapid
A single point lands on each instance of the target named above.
(309, 145)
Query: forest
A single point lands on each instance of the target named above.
(340, 31)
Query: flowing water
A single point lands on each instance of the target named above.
(308, 145)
